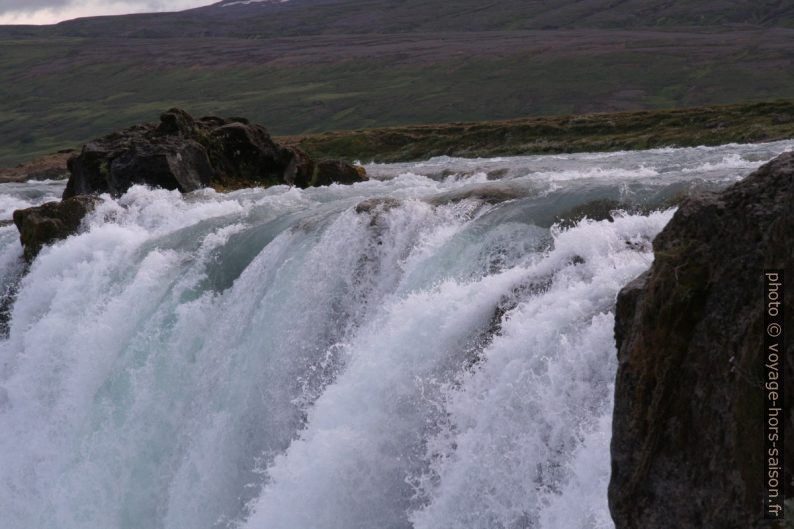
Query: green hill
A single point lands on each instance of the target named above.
(318, 65)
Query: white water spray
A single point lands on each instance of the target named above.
(431, 349)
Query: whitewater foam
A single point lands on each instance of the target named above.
(283, 359)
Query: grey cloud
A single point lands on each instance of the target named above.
(28, 6)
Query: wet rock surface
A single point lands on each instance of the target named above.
(178, 153)
(186, 154)
(688, 446)
(50, 222)
(379, 203)
(335, 171)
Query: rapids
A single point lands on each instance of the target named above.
(431, 349)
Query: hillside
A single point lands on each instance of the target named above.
(268, 19)
(321, 65)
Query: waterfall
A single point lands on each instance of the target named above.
(431, 349)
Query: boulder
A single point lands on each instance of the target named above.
(245, 155)
(179, 153)
(300, 170)
(335, 171)
(187, 154)
(50, 222)
(688, 440)
(139, 155)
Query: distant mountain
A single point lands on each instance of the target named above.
(280, 18)
(244, 4)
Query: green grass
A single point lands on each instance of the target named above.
(575, 133)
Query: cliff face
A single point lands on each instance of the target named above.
(688, 437)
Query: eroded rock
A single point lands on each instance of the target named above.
(50, 222)
(178, 153)
(188, 154)
(687, 446)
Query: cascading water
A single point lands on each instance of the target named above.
(430, 349)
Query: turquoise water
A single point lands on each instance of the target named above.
(274, 359)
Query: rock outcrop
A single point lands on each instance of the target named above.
(179, 153)
(688, 438)
(334, 171)
(50, 222)
(187, 154)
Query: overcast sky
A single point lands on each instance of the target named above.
(50, 11)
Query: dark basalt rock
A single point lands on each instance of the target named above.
(245, 154)
(50, 222)
(335, 171)
(187, 154)
(300, 170)
(166, 156)
(687, 446)
(113, 166)
(179, 153)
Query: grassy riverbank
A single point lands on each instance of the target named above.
(712, 125)
(715, 125)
